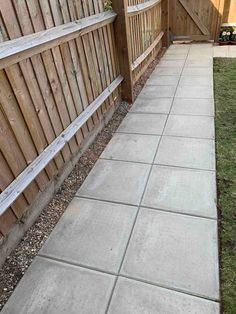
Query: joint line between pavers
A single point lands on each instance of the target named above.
(63, 261)
(168, 135)
(156, 164)
(170, 288)
(147, 207)
(179, 213)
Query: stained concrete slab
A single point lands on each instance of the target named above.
(182, 190)
(168, 71)
(132, 147)
(158, 91)
(168, 80)
(149, 105)
(201, 71)
(116, 181)
(171, 63)
(51, 287)
(196, 92)
(92, 233)
(190, 106)
(138, 123)
(190, 126)
(174, 251)
(191, 80)
(135, 297)
(186, 152)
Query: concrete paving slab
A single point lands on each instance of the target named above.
(168, 80)
(143, 123)
(208, 63)
(132, 147)
(232, 51)
(182, 190)
(189, 106)
(179, 47)
(196, 92)
(51, 287)
(191, 80)
(186, 152)
(201, 52)
(92, 234)
(180, 53)
(190, 126)
(221, 51)
(173, 56)
(171, 63)
(154, 92)
(135, 297)
(174, 251)
(168, 71)
(149, 105)
(116, 181)
(198, 71)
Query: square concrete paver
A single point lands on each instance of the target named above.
(174, 251)
(150, 105)
(51, 287)
(194, 80)
(168, 80)
(167, 71)
(189, 106)
(195, 92)
(171, 63)
(182, 190)
(198, 71)
(152, 91)
(132, 147)
(139, 123)
(92, 233)
(116, 181)
(135, 297)
(204, 63)
(190, 126)
(186, 152)
(173, 56)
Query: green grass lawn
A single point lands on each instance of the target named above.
(225, 97)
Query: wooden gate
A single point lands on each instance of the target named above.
(194, 20)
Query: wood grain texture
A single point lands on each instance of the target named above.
(43, 94)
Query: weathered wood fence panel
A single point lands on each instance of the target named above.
(42, 95)
(200, 20)
(61, 66)
(146, 30)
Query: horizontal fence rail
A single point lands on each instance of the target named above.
(13, 191)
(25, 47)
(142, 7)
(143, 56)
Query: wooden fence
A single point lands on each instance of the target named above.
(61, 66)
(200, 20)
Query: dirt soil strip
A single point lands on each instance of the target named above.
(21, 258)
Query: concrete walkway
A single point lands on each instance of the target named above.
(141, 235)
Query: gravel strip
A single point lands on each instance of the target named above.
(21, 258)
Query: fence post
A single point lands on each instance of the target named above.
(122, 36)
(165, 22)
